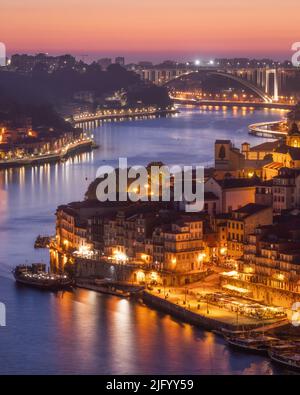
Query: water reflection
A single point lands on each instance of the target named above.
(86, 332)
(89, 333)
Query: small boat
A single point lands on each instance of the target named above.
(36, 276)
(259, 344)
(289, 359)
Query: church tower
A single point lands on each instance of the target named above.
(293, 136)
(227, 157)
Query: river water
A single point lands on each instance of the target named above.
(85, 332)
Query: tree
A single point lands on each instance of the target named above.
(222, 153)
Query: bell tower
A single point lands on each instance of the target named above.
(222, 154)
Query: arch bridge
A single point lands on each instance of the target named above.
(249, 85)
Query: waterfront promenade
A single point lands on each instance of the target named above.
(51, 156)
(233, 103)
(267, 130)
(193, 303)
(196, 310)
(120, 114)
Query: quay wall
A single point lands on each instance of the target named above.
(87, 268)
(76, 120)
(187, 315)
(266, 129)
(76, 149)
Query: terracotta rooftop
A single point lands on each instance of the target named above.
(230, 183)
(251, 208)
(210, 196)
(266, 147)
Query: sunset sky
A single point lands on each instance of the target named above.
(151, 29)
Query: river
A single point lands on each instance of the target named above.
(85, 332)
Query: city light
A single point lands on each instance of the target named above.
(233, 273)
(108, 153)
(201, 257)
(120, 256)
(84, 251)
(154, 276)
(140, 276)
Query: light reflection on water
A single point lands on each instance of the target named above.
(86, 332)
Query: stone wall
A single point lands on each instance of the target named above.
(85, 268)
(187, 315)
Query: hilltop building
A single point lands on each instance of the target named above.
(270, 268)
(241, 223)
(230, 193)
(230, 162)
(140, 234)
(264, 160)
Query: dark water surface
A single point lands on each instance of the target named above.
(86, 332)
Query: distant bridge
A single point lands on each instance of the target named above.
(257, 80)
(266, 98)
(255, 89)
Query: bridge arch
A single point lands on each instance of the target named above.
(266, 98)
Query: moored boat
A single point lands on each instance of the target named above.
(288, 359)
(259, 344)
(36, 276)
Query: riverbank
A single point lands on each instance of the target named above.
(129, 334)
(71, 149)
(267, 130)
(203, 315)
(120, 114)
(254, 105)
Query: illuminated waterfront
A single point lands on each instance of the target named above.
(89, 333)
